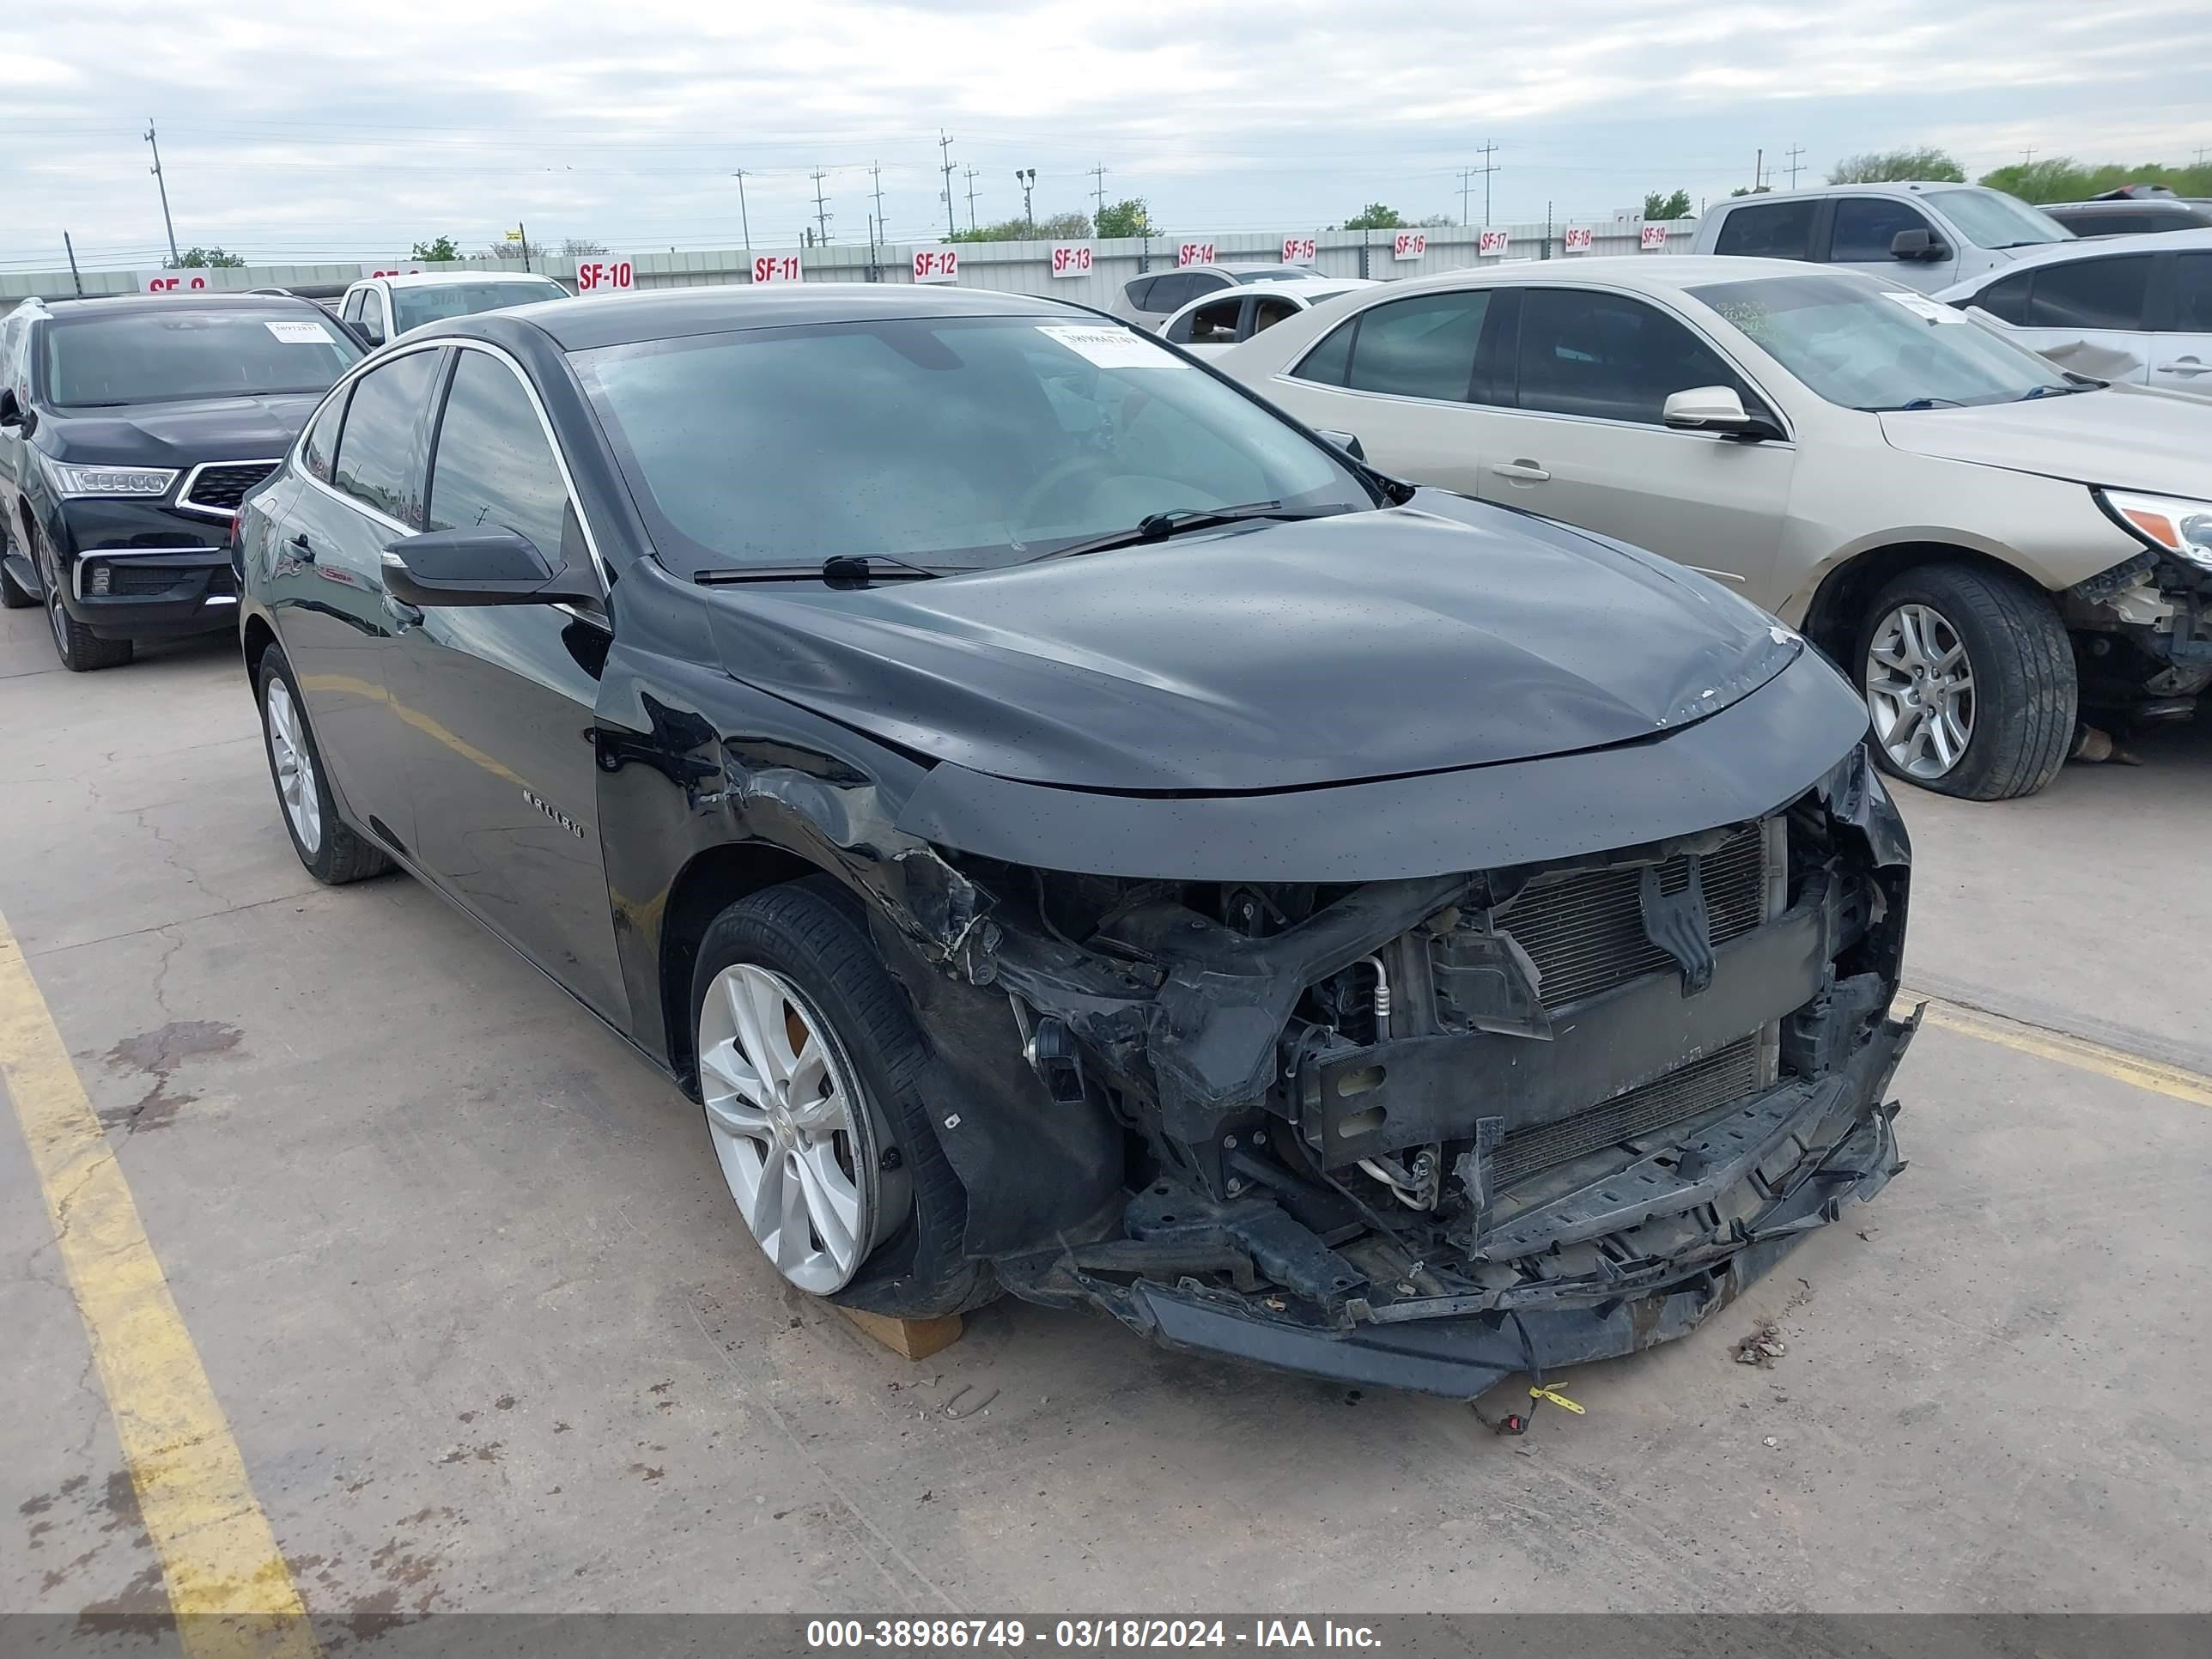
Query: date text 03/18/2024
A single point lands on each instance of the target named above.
(827, 1635)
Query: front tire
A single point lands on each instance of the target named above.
(80, 650)
(1970, 682)
(812, 1070)
(332, 852)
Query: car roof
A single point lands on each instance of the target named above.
(2089, 247)
(131, 305)
(579, 324)
(1887, 187)
(438, 278)
(1653, 272)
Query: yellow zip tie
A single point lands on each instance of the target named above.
(1556, 1399)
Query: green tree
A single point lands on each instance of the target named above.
(1676, 206)
(2062, 178)
(1127, 217)
(574, 247)
(1435, 221)
(1747, 190)
(1057, 228)
(442, 250)
(1886, 166)
(1376, 215)
(208, 258)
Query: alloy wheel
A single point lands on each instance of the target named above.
(294, 765)
(56, 615)
(796, 1137)
(1920, 690)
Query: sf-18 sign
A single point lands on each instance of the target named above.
(1655, 236)
(1070, 259)
(609, 276)
(1409, 245)
(776, 268)
(1299, 250)
(1578, 239)
(1195, 253)
(937, 264)
(1490, 242)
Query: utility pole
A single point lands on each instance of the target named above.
(968, 173)
(945, 145)
(2028, 158)
(174, 258)
(1757, 167)
(522, 233)
(1098, 188)
(71, 248)
(876, 174)
(1796, 150)
(820, 212)
(1487, 168)
(744, 219)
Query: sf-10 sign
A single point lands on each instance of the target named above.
(1070, 259)
(1578, 239)
(1409, 245)
(1655, 236)
(937, 264)
(1195, 253)
(1299, 250)
(776, 268)
(1490, 242)
(605, 277)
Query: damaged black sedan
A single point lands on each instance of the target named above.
(1079, 833)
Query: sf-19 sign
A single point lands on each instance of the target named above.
(776, 268)
(1070, 259)
(937, 264)
(605, 277)
(1195, 253)
(1655, 236)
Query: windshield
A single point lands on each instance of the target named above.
(955, 443)
(161, 356)
(411, 308)
(1989, 218)
(1862, 345)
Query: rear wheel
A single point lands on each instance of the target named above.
(80, 649)
(1970, 682)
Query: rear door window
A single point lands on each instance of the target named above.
(2091, 294)
(1769, 230)
(1135, 292)
(1420, 348)
(2007, 300)
(1174, 291)
(379, 458)
(1214, 323)
(2192, 293)
(1866, 225)
(323, 437)
(1609, 357)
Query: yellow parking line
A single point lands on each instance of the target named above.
(226, 1582)
(2078, 1052)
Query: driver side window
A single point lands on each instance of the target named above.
(1608, 357)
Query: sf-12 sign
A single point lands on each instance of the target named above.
(1070, 259)
(1195, 253)
(1655, 236)
(776, 268)
(1579, 238)
(937, 264)
(1490, 242)
(608, 275)
(1299, 250)
(1409, 245)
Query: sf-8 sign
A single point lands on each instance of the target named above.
(605, 277)
(1195, 253)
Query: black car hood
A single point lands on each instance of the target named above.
(181, 434)
(1372, 644)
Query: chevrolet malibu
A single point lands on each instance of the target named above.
(1076, 833)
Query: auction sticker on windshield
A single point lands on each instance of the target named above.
(1111, 348)
(1920, 305)
(298, 333)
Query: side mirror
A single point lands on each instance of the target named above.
(1715, 409)
(11, 412)
(369, 333)
(1917, 244)
(1347, 442)
(480, 566)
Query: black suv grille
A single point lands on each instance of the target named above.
(221, 487)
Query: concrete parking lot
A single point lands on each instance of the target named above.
(487, 1334)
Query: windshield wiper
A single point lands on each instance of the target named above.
(2035, 391)
(1174, 520)
(842, 570)
(1917, 403)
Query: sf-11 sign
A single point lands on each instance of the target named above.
(776, 268)
(1070, 259)
(1195, 253)
(1578, 239)
(1490, 242)
(937, 264)
(605, 276)
(1655, 236)
(1299, 250)
(1409, 245)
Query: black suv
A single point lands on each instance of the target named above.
(130, 429)
(2131, 210)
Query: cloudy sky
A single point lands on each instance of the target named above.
(289, 131)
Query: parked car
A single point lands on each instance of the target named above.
(130, 429)
(1920, 236)
(1209, 327)
(1988, 542)
(1151, 299)
(2134, 309)
(1100, 841)
(2132, 211)
(381, 308)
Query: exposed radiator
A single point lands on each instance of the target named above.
(1584, 930)
(1720, 1077)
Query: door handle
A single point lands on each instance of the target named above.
(401, 613)
(303, 547)
(2185, 366)
(1522, 471)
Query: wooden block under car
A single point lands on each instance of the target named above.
(909, 1338)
